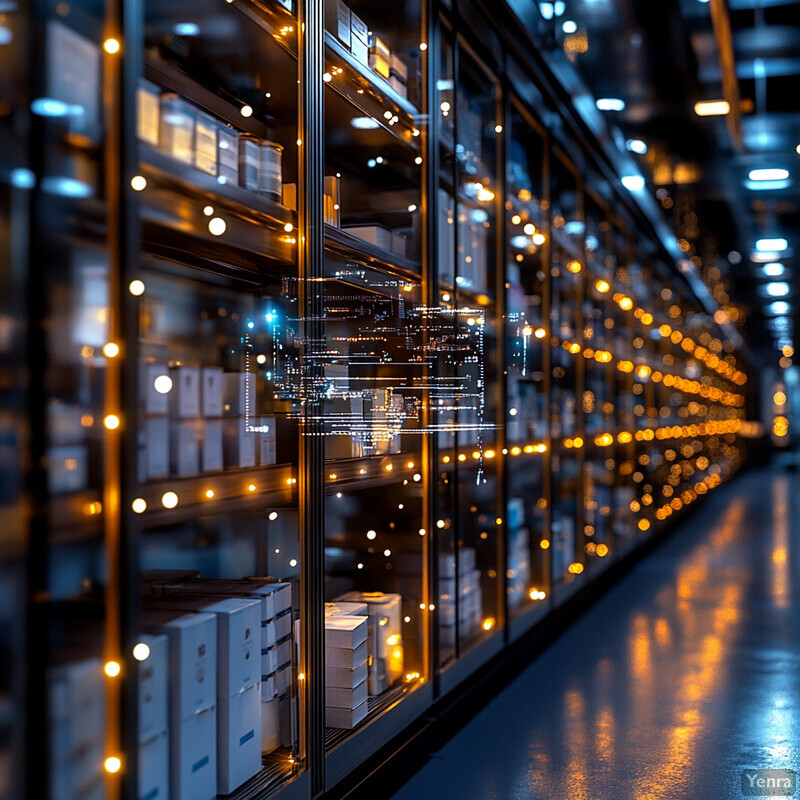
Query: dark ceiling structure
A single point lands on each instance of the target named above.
(705, 96)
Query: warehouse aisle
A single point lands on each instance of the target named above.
(682, 675)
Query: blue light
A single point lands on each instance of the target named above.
(574, 228)
(372, 162)
(520, 241)
(186, 29)
(777, 289)
(547, 10)
(66, 187)
(569, 26)
(633, 183)
(610, 104)
(479, 215)
(364, 123)
(763, 186)
(23, 178)
(636, 146)
(559, 7)
(774, 269)
(49, 107)
(251, 325)
(779, 307)
(776, 245)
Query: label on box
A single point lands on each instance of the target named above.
(154, 767)
(194, 757)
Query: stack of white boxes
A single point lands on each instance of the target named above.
(184, 406)
(518, 572)
(385, 642)
(275, 644)
(470, 603)
(193, 701)
(153, 442)
(211, 433)
(77, 728)
(345, 665)
(152, 677)
(239, 406)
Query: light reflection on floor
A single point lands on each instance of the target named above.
(683, 675)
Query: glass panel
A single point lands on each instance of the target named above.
(375, 364)
(527, 568)
(219, 399)
(16, 180)
(475, 357)
(566, 408)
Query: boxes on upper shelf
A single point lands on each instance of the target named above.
(185, 447)
(337, 20)
(212, 450)
(345, 631)
(176, 127)
(211, 391)
(359, 39)
(385, 642)
(374, 234)
(239, 444)
(345, 657)
(379, 57)
(148, 99)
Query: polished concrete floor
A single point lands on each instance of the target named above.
(685, 673)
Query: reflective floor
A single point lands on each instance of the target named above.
(685, 673)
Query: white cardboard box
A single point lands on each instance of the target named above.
(359, 48)
(374, 234)
(345, 609)
(185, 447)
(185, 393)
(147, 111)
(239, 444)
(193, 757)
(152, 676)
(239, 394)
(156, 403)
(338, 697)
(346, 678)
(238, 644)
(345, 631)
(359, 29)
(176, 128)
(228, 152)
(212, 460)
(154, 767)
(211, 391)
(270, 726)
(205, 143)
(239, 739)
(283, 680)
(345, 717)
(283, 626)
(345, 658)
(337, 20)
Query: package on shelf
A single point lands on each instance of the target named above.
(184, 396)
(212, 381)
(270, 725)
(249, 162)
(337, 20)
(377, 63)
(212, 435)
(346, 678)
(185, 446)
(227, 155)
(338, 697)
(76, 727)
(345, 717)
(289, 196)
(346, 658)
(205, 143)
(267, 450)
(378, 235)
(154, 378)
(152, 678)
(239, 394)
(398, 68)
(239, 443)
(385, 642)
(399, 244)
(399, 86)
(148, 101)
(153, 767)
(176, 127)
(270, 170)
(359, 39)
(346, 631)
(67, 468)
(193, 707)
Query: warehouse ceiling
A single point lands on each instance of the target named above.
(661, 58)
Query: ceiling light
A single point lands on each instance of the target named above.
(569, 26)
(778, 289)
(778, 245)
(636, 146)
(610, 104)
(779, 307)
(633, 183)
(774, 269)
(767, 186)
(364, 123)
(186, 29)
(712, 108)
(768, 174)
(547, 10)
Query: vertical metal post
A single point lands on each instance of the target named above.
(312, 450)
